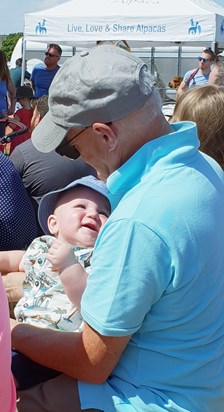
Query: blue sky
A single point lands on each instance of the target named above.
(12, 12)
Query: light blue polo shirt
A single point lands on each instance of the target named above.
(158, 275)
(198, 80)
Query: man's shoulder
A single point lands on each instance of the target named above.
(55, 69)
(15, 72)
(189, 73)
(39, 66)
(22, 150)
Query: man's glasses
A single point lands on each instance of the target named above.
(69, 151)
(203, 59)
(51, 54)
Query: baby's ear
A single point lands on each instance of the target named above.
(52, 225)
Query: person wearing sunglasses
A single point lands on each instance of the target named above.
(44, 72)
(199, 75)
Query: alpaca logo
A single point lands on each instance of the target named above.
(222, 28)
(194, 28)
(40, 28)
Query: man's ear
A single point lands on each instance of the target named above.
(52, 224)
(37, 119)
(107, 134)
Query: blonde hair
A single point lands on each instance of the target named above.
(204, 105)
(40, 108)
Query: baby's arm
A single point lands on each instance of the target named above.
(72, 274)
(10, 261)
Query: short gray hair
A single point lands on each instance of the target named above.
(147, 83)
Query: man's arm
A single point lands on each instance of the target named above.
(87, 356)
(33, 85)
(10, 261)
(183, 86)
(27, 75)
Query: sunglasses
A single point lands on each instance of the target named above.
(69, 151)
(51, 54)
(204, 60)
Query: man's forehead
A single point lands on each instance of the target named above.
(206, 55)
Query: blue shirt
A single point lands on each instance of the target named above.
(16, 73)
(157, 272)
(3, 92)
(18, 226)
(197, 80)
(41, 78)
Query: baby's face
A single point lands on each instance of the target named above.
(80, 214)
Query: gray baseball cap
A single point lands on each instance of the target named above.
(98, 85)
(48, 201)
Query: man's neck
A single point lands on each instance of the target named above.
(52, 67)
(205, 71)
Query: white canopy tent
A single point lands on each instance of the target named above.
(157, 21)
(143, 23)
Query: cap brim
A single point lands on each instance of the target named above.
(47, 135)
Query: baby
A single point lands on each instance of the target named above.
(74, 216)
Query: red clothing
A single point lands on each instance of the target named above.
(24, 116)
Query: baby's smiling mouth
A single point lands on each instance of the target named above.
(91, 226)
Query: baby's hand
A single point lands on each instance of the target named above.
(61, 255)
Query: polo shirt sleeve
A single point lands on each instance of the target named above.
(187, 76)
(131, 269)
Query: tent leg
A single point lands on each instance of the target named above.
(23, 61)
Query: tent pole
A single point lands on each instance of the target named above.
(213, 46)
(179, 61)
(23, 61)
(152, 61)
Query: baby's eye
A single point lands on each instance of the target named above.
(80, 206)
(103, 213)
